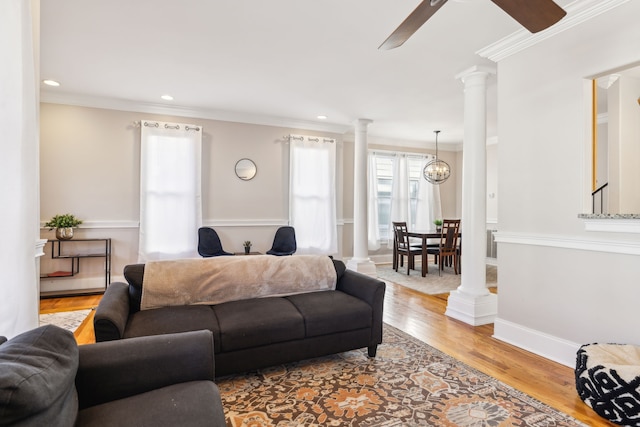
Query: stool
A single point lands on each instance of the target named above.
(608, 380)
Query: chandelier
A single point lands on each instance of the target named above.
(436, 171)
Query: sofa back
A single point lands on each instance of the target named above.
(134, 274)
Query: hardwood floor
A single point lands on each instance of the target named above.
(423, 317)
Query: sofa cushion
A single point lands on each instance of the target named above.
(195, 403)
(256, 322)
(169, 320)
(331, 312)
(37, 378)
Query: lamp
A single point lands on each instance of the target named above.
(436, 171)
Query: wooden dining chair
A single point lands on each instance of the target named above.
(402, 247)
(448, 247)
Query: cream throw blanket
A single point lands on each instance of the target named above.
(230, 278)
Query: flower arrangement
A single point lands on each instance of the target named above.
(247, 243)
(437, 223)
(63, 221)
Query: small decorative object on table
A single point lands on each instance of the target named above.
(64, 225)
(438, 224)
(247, 246)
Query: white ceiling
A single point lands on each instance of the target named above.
(274, 62)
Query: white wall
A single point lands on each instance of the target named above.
(90, 167)
(560, 286)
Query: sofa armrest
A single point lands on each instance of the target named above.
(112, 313)
(368, 289)
(117, 369)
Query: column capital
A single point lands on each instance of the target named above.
(477, 70)
(362, 124)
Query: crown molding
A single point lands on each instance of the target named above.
(577, 12)
(208, 114)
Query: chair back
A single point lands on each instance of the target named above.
(284, 242)
(209, 244)
(449, 236)
(400, 234)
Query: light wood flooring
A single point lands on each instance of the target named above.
(423, 317)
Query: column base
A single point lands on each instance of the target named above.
(475, 310)
(364, 266)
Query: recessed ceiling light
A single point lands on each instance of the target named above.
(51, 83)
(167, 97)
(322, 117)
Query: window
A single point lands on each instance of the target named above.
(402, 194)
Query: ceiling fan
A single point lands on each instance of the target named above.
(534, 15)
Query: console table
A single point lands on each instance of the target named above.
(76, 249)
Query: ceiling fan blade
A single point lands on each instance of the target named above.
(410, 25)
(534, 15)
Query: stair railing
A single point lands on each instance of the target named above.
(598, 192)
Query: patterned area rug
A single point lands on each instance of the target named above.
(408, 383)
(69, 320)
(432, 283)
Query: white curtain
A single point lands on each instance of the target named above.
(19, 191)
(400, 203)
(312, 194)
(170, 190)
(373, 229)
(429, 207)
(396, 179)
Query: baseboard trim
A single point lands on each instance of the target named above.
(545, 345)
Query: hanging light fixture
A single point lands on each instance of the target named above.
(436, 171)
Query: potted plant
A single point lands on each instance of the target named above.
(64, 225)
(247, 246)
(438, 224)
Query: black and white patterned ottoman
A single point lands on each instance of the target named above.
(608, 380)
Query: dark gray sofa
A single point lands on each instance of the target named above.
(260, 332)
(46, 379)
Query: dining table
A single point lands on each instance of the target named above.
(424, 236)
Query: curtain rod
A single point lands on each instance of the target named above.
(137, 123)
(400, 153)
(309, 138)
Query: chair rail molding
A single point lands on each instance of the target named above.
(103, 224)
(40, 247)
(567, 242)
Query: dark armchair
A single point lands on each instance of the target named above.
(284, 242)
(209, 244)
(162, 380)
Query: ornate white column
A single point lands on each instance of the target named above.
(360, 261)
(472, 302)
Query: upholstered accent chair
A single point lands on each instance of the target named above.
(46, 379)
(209, 244)
(284, 242)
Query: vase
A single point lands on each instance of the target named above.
(64, 233)
(247, 249)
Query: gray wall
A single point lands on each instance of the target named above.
(90, 167)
